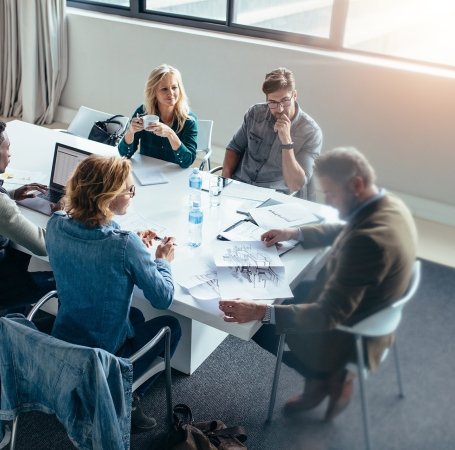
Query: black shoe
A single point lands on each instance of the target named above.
(140, 423)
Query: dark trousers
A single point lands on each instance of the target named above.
(144, 332)
(267, 338)
(18, 287)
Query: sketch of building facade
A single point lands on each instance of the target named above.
(251, 266)
(209, 280)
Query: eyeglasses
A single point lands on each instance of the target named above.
(284, 103)
(131, 191)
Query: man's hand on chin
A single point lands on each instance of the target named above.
(242, 310)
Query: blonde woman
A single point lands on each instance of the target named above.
(173, 138)
(97, 265)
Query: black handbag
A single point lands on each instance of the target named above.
(211, 435)
(100, 133)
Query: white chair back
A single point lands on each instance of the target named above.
(82, 124)
(387, 320)
(204, 135)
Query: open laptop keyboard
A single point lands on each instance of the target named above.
(51, 196)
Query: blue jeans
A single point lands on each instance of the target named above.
(144, 332)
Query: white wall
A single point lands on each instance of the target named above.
(401, 116)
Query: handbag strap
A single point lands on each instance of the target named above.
(112, 120)
(181, 407)
(239, 432)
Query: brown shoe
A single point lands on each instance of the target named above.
(315, 392)
(340, 390)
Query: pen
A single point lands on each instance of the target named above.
(157, 238)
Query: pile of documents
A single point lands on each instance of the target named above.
(236, 269)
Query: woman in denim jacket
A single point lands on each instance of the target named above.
(96, 265)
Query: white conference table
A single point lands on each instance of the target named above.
(203, 327)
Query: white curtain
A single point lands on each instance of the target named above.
(34, 60)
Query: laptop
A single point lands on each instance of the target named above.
(66, 159)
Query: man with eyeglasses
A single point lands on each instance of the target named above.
(277, 144)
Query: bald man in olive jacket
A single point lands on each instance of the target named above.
(369, 267)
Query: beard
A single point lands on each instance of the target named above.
(350, 205)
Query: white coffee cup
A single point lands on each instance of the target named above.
(147, 120)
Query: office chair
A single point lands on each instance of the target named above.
(308, 192)
(204, 141)
(85, 118)
(382, 323)
(157, 365)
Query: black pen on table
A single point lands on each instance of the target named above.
(157, 238)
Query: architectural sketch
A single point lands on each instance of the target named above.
(199, 277)
(249, 270)
(207, 280)
(252, 266)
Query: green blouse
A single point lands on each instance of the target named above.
(160, 147)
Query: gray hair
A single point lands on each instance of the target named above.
(342, 164)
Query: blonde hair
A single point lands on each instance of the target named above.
(181, 109)
(94, 184)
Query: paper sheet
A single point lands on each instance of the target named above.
(15, 176)
(250, 270)
(198, 277)
(282, 216)
(247, 191)
(132, 221)
(150, 175)
(248, 231)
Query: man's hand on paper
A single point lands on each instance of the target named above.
(271, 237)
(147, 237)
(23, 192)
(166, 249)
(242, 310)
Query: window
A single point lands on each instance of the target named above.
(302, 17)
(124, 3)
(413, 29)
(206, 9)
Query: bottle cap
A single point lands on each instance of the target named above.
(196, 204)
(195, 170)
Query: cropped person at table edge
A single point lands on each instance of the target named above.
(277, 143)
(369, 267)
(174, 137)
(18, 287)
(96, 266)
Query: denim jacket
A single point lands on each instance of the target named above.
(88, 389)
(95, 270)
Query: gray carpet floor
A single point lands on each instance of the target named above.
(233, 385)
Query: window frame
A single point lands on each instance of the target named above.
(334, 42)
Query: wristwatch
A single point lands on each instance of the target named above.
(268, 313)
(287, 146)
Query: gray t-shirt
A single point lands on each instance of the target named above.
(259, 144)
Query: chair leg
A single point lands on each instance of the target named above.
(14, 434)
(208, 165)
(167, 357)
(361, 369)
(276, 377)
(398, 368)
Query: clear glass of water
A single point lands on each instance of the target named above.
(215, 187)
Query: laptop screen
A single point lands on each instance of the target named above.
(66, 160)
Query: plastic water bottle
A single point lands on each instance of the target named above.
(195, 218)
(195, 187)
